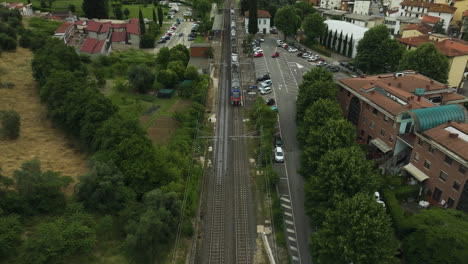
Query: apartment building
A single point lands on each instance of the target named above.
(392, 112)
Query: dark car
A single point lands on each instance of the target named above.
(162, 41)
(344, 64)
(264, 78)
(278, 141)
(190, 38)
(299, 54)
(333, 68)
(270, 101)
(167, 37)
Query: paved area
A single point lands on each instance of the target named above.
(286, 72)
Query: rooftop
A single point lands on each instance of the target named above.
(118, 36)
(92, 45)
(421, 27)
(448, 47)
(361, 17)
(260, 14)
(444, 134)
(346, 27)
(431, 117)
(430, 19)
(63, 28)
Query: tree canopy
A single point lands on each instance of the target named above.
(310, 93)
(287, 20)
(96, 8)
(10, 235)
(10, 123)
(377, 52)
(358, 231)
(428, 61)
(313, 26)
(439, 27)
(340, 174)
(253, 19)
(141, 78)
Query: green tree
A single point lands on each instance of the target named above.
(253, 17)
(178, 67)
(7, 43)
(53, 241)
(340, 41)
(304, 9)
(340, 174)
(72, 8)
(439, 27)
(313, 26)
(147, 41)
(350, 46)
(95, 8)
(118, 12)
(262, 116)
(103, 189)
(141, 22)
(439, 236)
(335, 37)
(10, 124)
(186, 53)
(428, 61)
(163, 57)
(177, 55)
(126, 12)
(154, 227)
(155, 18)
(310, 93)
(377, 52)
(333, 135)
(358, 231)
(287, 20)
(203, 7)
(10, 235)
(345, 43)
(191, 73)
(160, 16)
(316, 115)
(41, 190)
(168, 77)
(140, 77)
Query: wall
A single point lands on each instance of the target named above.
(437, 165)
(410, 33)
(261, 25)
(330, 4)
(362, 7)
(461, 6)
(447, 17)
(135, 40)
(197, 51)
(457, 68)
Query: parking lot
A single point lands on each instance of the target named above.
(286, 73)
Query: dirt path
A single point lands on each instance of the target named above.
(38, 138)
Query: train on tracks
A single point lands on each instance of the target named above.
(236, 86)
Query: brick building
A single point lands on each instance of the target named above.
(392, 112)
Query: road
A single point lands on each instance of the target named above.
(286, 72)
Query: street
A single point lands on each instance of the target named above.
(286, 72)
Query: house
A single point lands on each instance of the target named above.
(362, 7)
(65, 16)
(414, 30)
(462, 6)
(263, 21)
(350, 32)
(363, 20)
(330, 4)
(98, 30)
(199, 49)
(445, 12)
(65, 31)
(25, 10)
(331, 13)
(464, 22)
(94, 47)
(419, 9)
(456, 51)
(133, 32)
(393, 111)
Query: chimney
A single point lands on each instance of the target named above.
(449, 121)
(399, 85)
(389, 84)
(453, 135)
(371, 83)
(412, 97)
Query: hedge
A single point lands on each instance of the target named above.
(407, 191)
(396, 212)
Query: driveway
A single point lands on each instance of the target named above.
(286, 72)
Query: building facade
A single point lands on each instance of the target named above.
(392, 111)
(263, 18)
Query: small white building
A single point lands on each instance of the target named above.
(330, 4)
(24, 9)
(362, 7)
(263, 18)
(347, 29)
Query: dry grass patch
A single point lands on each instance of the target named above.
(161, 130)
(38, 138)
(180, 105)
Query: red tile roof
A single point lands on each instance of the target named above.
(118, 25)
(105, 27)
(417, 4)
(430, 19)
(260, 14)
(441, 8)
(93, 26)
(80, 22)
(133, 28)
(454, 144)
(423, 28)
(133, 21)
(448, 47)
(118, 36)
(63, 28)
(14, 4)
(92, 45)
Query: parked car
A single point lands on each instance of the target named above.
(278, 141)
(265, 90)
(258, 54)
(299, 54)
(266, 83)
(264, 78)
(333, 68)
(275, 55)
(170, 31)
(270, 101)
(292, 49)
(173, 28)
(162, 41)
(257, 49)
(279, 42)
(169, 34)
(167, 37)
(285, 46)
(305, 55)
(279, 154)
(321, 64)
(261, 40)
(190, 38)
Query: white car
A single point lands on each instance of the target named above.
(257, 49)
(292, 49)
(305, 55)
(265, 90)
(266, 83)
(170, 31)
(279, 154)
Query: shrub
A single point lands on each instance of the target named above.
(396, 211)
(7, 43)
(407, 191)
(10, 124)
(147, 41)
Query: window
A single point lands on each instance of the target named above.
(367, 106)
(382, 132)
(374, 111)
(362, 132)
(443, 176)
(391, 138)
(436, 195)
(385, 118)
(416, 156)
(450, 202)
(349, 93)
(420, 142)
(456, 185)
(462, 169)
(448, 160)
(427, 164)
(431, 149)
(364, 120)
(372, 124)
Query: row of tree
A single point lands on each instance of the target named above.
(338, 43)
(340, 182)
(10, 27)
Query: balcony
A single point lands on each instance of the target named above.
(408, 139)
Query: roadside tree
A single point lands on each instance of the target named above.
(428, 61)
(377, 52)
(287, 20)
(358, 231)
(304, 9)
(309, 93)
(253, 19)
(313, 27)
(317, 115)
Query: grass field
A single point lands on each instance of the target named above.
(38, 137)
(61, 5)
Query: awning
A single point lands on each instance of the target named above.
(417, 173)
(381, 145)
